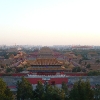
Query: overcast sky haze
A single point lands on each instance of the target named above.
(50, 22)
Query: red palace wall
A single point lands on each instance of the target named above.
(76, 74)
(34, 80)
(51, 81)
(58, 80)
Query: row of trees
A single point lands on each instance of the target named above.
(94, 73)
(81, 90)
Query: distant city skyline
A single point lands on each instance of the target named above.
(50, 22)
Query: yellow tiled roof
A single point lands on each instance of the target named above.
(31, 68)
(48, 61)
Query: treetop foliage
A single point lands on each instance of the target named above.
(81, 90)
(5, 93)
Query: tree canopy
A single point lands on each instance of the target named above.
(81, 91)
(76, 69)
(97, 92)
(24, 90)
(5, 93)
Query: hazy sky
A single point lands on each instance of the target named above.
(50, 22)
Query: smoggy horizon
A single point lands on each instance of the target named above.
(49, 45)
(42, 22)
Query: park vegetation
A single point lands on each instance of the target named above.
(81, 90)
(94, 73)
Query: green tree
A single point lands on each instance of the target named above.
(8, 70)
(97, 92)
(88, 65)
(76, 69)
(24, 90)
(39, 91)
(81, 91)
(20, 69)
(5, 93)
(48, 92)
(94, 73)
(65, 89)
(97, 61)
(58, 94)
(54, 93)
